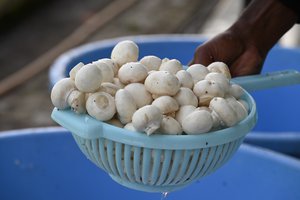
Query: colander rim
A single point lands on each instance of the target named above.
(89, 128)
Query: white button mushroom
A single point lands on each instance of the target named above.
(147, 119)
(111, 64)
(124, 52)
(220, 67)
(167, 105)
(197, 122)
(75, 69)
(236, 91)
(109, 88)
(220, 79)
(106, 71)
(77, 101)
(61, 91)
(132, 72)
(185, 96)
(185, 79)
(245, 104)
(183, 112)
(101, 106)
(151, 62)
(125, 106)
(88, 78)
(206, 90)
(130, 127)
(170, 126)
(139, 93)
(223, 111)
(198, 72)
(172, 66)
(118, 83)
(162, 83)
(238, 108)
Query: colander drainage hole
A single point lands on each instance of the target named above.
(164, 195)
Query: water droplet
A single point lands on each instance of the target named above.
(164, 195)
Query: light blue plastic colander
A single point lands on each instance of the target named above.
(164, 163)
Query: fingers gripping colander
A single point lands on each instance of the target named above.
(163, 163)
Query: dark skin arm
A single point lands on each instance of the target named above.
(244, 46)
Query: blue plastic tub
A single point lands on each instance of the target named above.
(47, 164)
(278, 108)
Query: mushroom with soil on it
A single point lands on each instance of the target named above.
(206, 90)
(220, 79)
(76, 101)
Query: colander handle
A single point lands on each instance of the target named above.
(268, 80)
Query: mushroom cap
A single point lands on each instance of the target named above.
(185, 96)
(170, 126)
(238, 108)
(61, 91)
(183, 112)
(130, 127)
(151, 62)
(109, 88)
(118, 83)
(88, 78)
(111, 64)
(220, 79)
(236, 91)
(220, 67)
(206, 90)
(139, 93)
(198, 72)
(106, 71)
(125, 105)
(132, 72)
(75, 69)
(147, 119)
(197, 122)
(162, 83)
(76, 101)
(101, 106)
(166, 104)
(224, 111)
(245, 104)
(124, 52)
(185, 79)
(172, 66)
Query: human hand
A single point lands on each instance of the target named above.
(245, 45)
(242, 57)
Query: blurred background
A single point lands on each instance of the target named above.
(33, 33)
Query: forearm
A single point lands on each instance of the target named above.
(264, 22)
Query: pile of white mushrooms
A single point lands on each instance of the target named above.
(152, 95)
